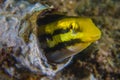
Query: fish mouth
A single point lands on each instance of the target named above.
(95, 38)
(91, 39)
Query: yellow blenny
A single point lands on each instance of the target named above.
(64, 36)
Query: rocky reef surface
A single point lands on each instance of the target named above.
(100, 61)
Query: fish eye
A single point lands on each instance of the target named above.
(74, 28)
(71, 26)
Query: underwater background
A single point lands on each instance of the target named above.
(101, 60)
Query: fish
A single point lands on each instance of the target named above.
(65, 36)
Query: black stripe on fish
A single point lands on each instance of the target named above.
(49, 36)
(63, 45)
(46, 19)
(60, 31)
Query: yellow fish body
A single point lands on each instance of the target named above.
(66, 36)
